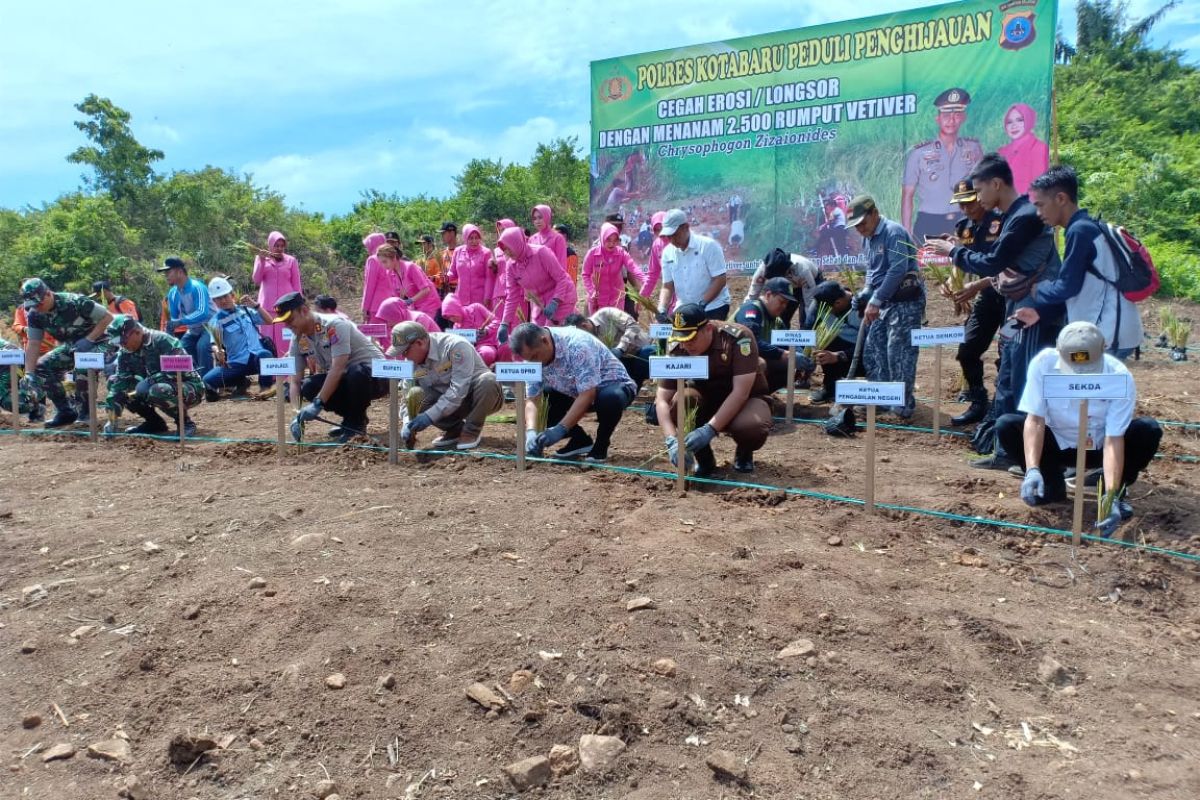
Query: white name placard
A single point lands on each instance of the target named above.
(1086, 387)
(679, 367)
(789, 338)
(12, 358)
(660, 330)
(928, 337)
(276, 366)
(869, 393)
(288, 335)
(470, 334)
(392, 370)
(89, 361)
(518, 372)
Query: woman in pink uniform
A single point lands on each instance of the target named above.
(394, 310)
(276, 273)
(544, 234)
(378, 283)
(604, 269)
(654, 268)
(1028, 155)
(470, 270)
(414, 286)
(485, 324)
(533, 270)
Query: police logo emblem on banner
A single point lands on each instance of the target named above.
(616, 89)
(1017, 30)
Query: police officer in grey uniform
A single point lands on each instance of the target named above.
(933, 167)
(458, 389)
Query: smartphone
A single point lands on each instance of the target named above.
(1010, 327)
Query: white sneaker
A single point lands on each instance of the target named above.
(445, 440)
(465, 443)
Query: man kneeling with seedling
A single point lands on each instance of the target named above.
(1128, 444)
(141, 385)
(732, 399)
(457, 390)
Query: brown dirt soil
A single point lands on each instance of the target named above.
(927, 633)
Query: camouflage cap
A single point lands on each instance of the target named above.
(32, 291)
(120, 327)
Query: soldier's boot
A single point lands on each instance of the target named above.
(975, 412)
(189, 427)
(706, 463)
(743, 460)
(152, 422)
(63, 415)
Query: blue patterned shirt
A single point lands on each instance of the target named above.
(581, 362)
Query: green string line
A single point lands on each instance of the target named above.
(766, 487)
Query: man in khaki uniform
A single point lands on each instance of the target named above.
(459, 389)
(732, 399)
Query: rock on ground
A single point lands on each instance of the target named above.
(564, 759)
(528, 773)
(598, 752)
(58, 752)
(801, 648)
(726, 766)
(111, 750)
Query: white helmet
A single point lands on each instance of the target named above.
(219, 287)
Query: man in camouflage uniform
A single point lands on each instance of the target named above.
(27, 398)
(73, 319)
(140, 383)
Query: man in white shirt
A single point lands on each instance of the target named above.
(693, 270)
(1123, 444)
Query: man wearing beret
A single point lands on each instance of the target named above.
(932, 167)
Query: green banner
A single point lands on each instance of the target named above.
(763, 140)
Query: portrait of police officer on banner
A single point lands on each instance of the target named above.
(934, 166)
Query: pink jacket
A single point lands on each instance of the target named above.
(550, 238)
(275, 278)
(604, 272)
(654, 268)
(469, 271)
(473, 315)
(378, 283)
(394, 310)
(534, 269)
(411, 281)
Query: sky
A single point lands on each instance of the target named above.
(322, 100)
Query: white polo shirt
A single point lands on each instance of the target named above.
(691, 270)
(1105, 417)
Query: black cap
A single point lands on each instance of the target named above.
(172, 263)
(828, 292)
(616, 218)
(391, 236)
(952, 100)
(98, 285)
(686, 322)
(781, 287)
(449, 226)
(285, 305)
(424, 238)
(964, 192)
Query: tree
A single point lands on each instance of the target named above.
(122, 165)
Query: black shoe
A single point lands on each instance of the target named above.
(821, 395)
(706, 463)
(993, 462)
(189, 427)
(152, 425)
(211, 396)
(743, 462)
(652, 414)
(974, 413)
(578, 445)
(37, 413)
(62, 417)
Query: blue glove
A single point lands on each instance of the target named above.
(673, 453)
(502, 334)
(1033, 487)
(531, 446)
(551, 307)
(550, 437)
(700, 438)
(419, 423)
(297, 429)
(1108, 526)
(310, 411)
(84, 345)
(1124, 509)
(408, 301)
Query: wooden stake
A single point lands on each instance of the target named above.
(870, 492)
(280, 408)
(937, 390)
(1080, 472)
(519, 393)
(791, 383)
(680, 429)
(393, 422)
(14, 390)
(182, 410)
(93, 428)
